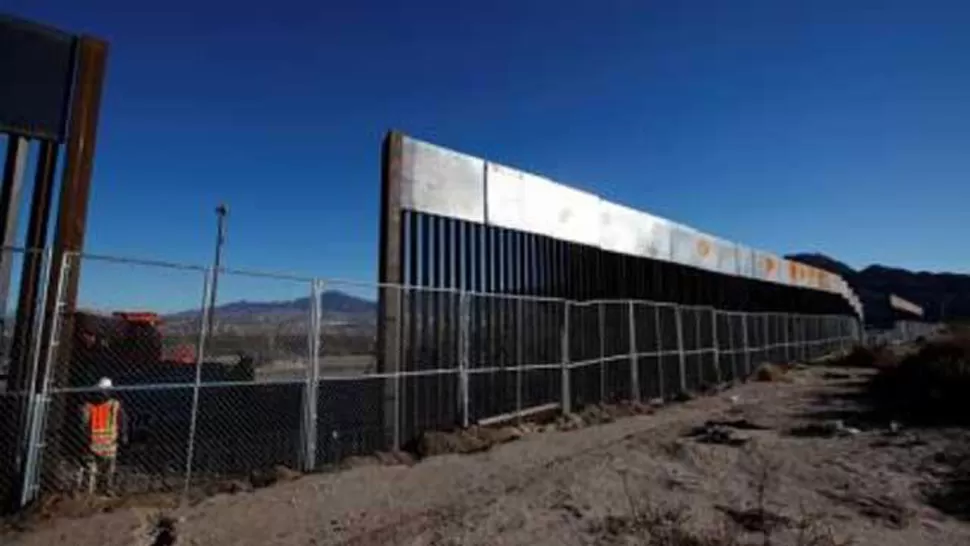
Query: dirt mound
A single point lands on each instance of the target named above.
(268, 477)
(879, 357)
(481, 438)
(471, 440)
(772, 373)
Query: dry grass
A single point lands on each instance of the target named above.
(649, 523)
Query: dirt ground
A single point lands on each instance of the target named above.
(793, 459)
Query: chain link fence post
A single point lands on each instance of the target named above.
(40, 397)
(313, 380)
(564, 368)
(681, 357)
(634, 368)
(199, 359)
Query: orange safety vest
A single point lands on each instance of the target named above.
(102, 422)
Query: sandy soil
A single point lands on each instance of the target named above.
(665, 475)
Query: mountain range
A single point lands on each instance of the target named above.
(336, 309)
(943, 296)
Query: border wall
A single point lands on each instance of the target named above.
(453, 222)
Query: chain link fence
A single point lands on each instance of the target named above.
(283, 371)
(903, 331)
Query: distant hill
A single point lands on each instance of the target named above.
(332, 301)
(335, 307)
(947, 293)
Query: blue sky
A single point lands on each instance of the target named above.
(831, 126)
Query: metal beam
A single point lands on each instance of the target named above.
(390, 276)
(72, 214)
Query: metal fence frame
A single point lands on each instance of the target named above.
(638, 358)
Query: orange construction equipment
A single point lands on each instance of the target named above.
(139, 317)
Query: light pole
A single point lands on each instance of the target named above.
(221, 212)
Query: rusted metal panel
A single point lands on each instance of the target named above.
(768, 267)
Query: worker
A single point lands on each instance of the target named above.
(102, 418)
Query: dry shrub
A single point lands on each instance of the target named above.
(650, 524)
(929, 386)
(869, 357)
(770, 373)
(471, 440)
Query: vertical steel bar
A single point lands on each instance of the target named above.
(747, 349)
(564, 367)
(634, 366)
(199, 359)
(507, 310)
(717, 347)
(423, 384)
(14, 170)
(766, 340)
(519, 360)
(30, 275)
(16, 410)
(463, 363)
(784, 333)
(601, 314)
(415, 344)
(698, 343)
(399, 336)
(447, 319)
(732, 346)
(681, 358)
(659, 346)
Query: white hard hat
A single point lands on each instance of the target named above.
(104, 383)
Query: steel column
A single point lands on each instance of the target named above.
(390, 276)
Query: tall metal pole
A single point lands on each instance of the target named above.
(221, 212)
